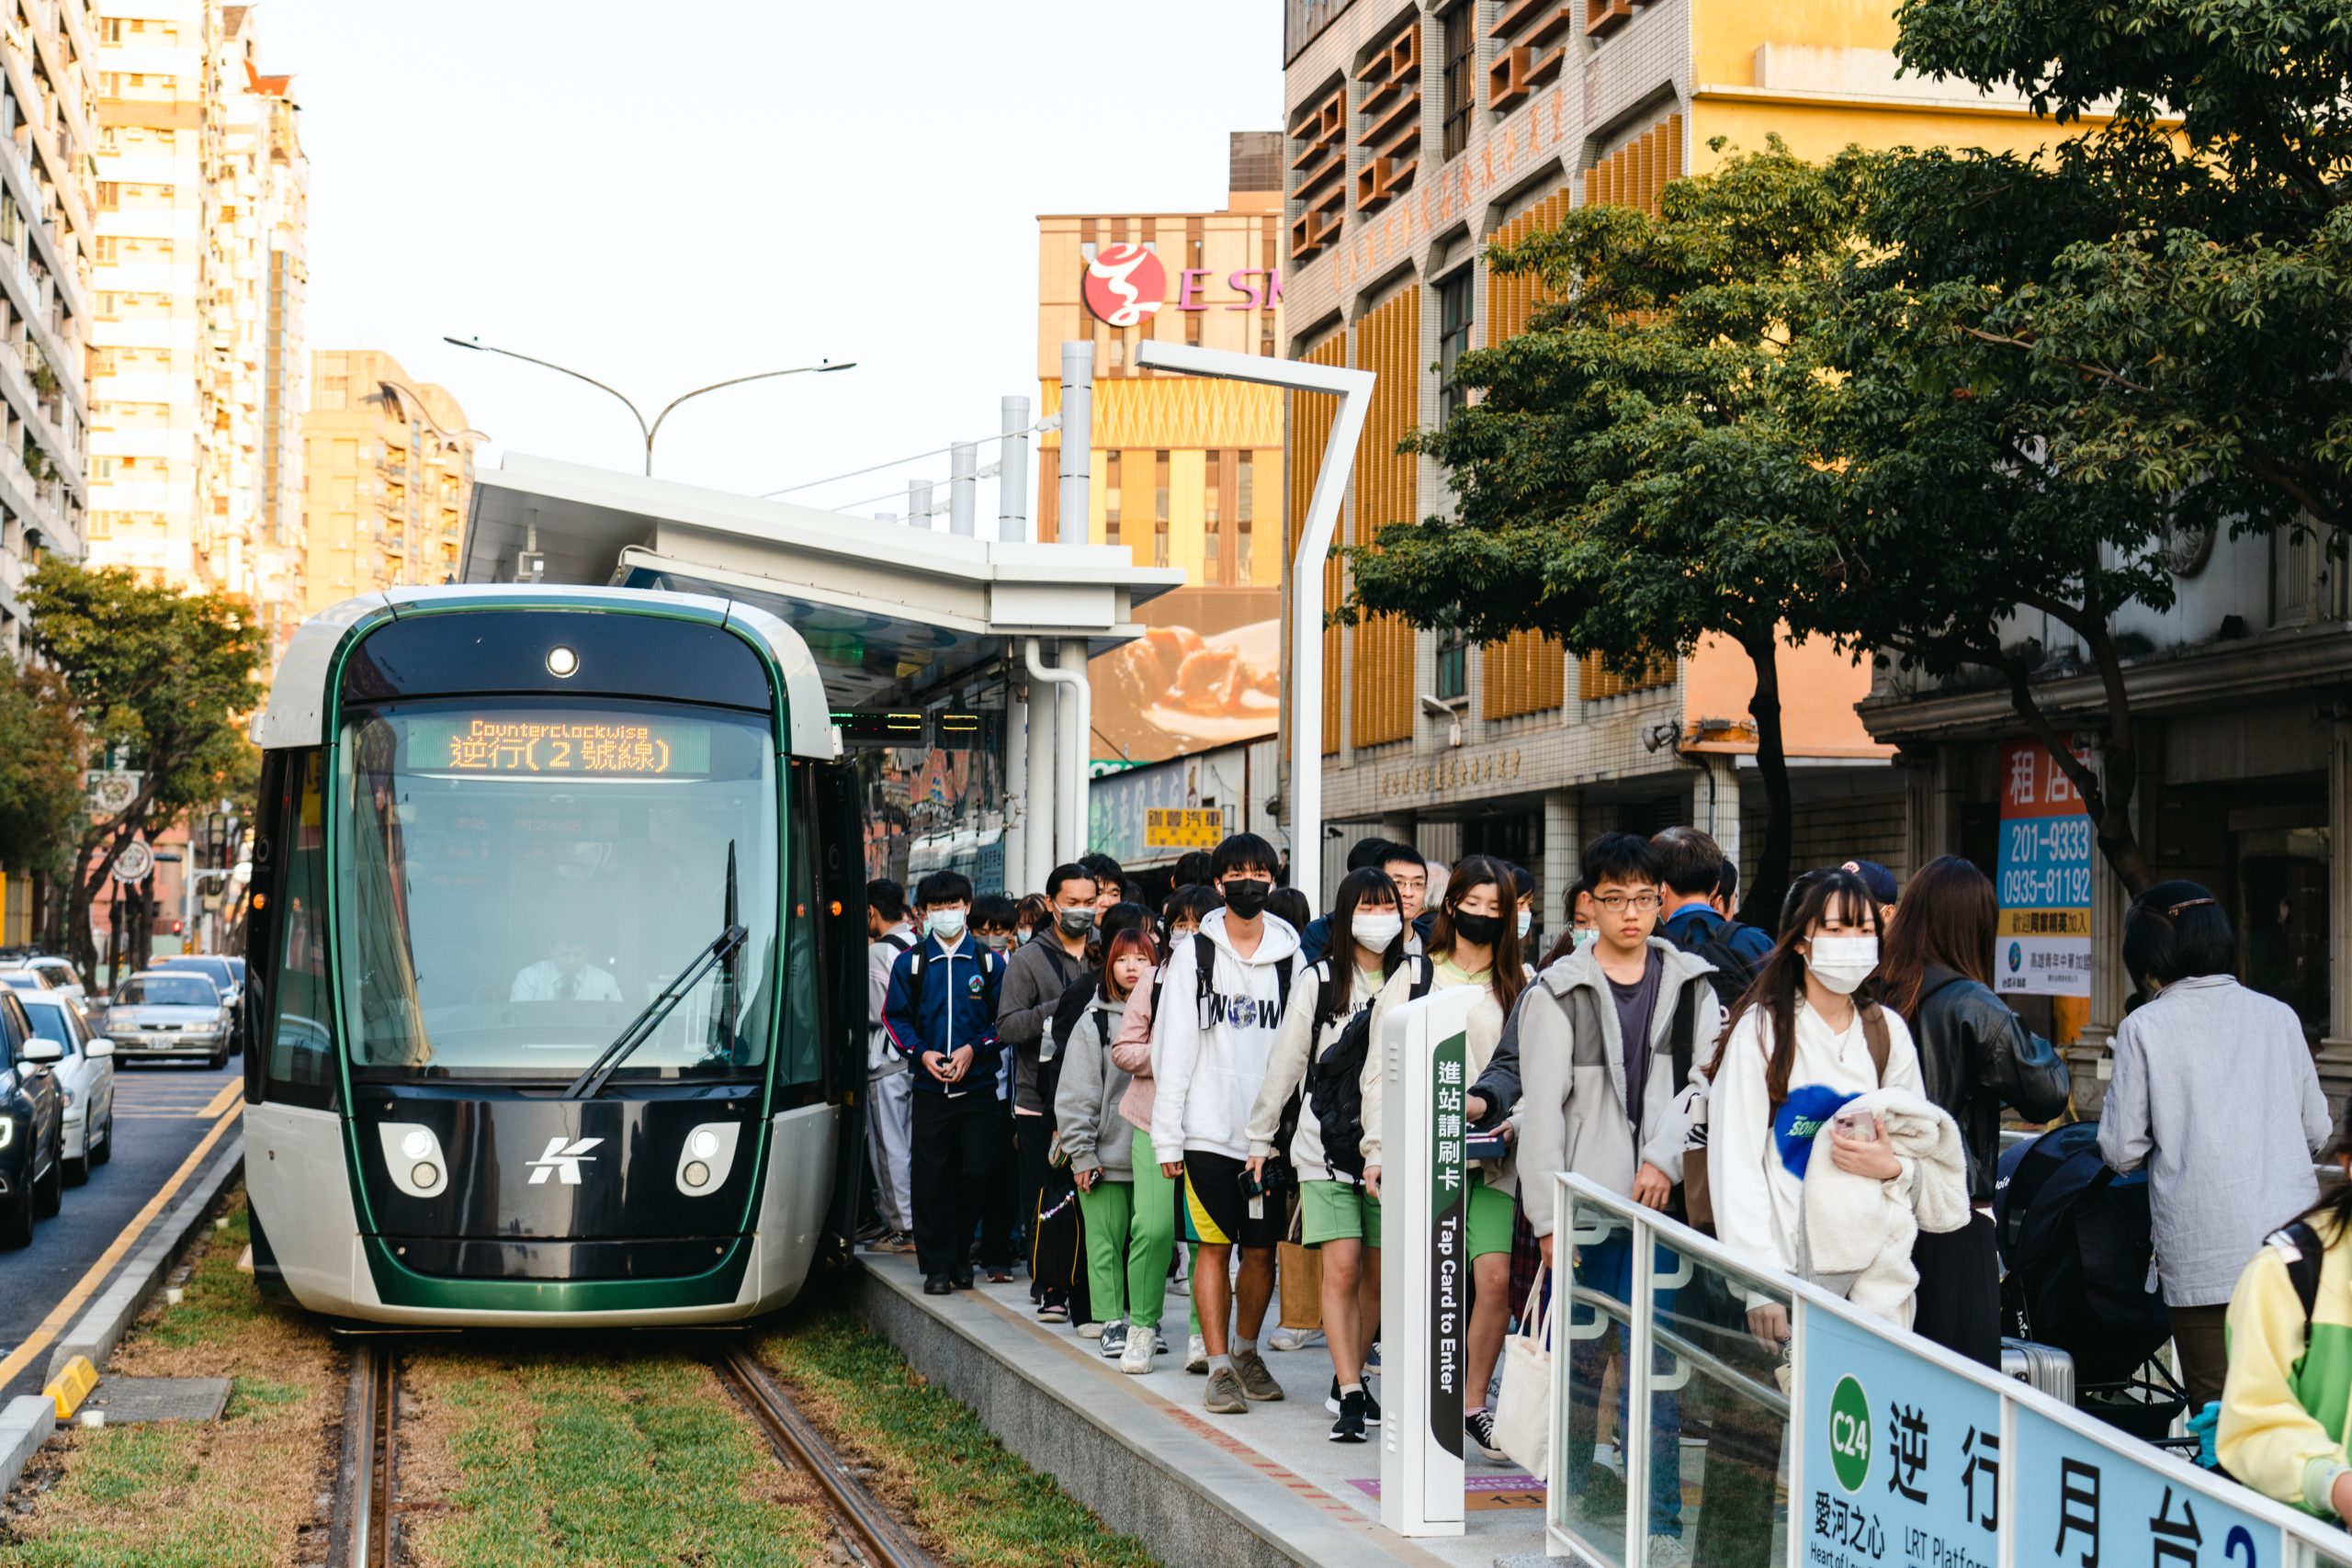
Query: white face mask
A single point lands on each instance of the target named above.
(1376, 929)
(1526, 923)
(1583, 937)
(945, 924)
(1842, 962)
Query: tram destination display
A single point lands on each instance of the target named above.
(614, 745)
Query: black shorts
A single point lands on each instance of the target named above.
(1216, 1214)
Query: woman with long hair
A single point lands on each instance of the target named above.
(1800, 1043)
(1337, 1217)
(1975, 1055)
(1126, 1272)
(1474, 942)
(2215, 1093)
(2283, 1430)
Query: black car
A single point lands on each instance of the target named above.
(33, 1125)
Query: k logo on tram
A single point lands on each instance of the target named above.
(564, 1157)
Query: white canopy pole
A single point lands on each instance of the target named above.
(1353, 389)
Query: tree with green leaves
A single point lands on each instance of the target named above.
(41, 749)
(1640, 469)
(162, 678)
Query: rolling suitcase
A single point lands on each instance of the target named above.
(2044, 1367)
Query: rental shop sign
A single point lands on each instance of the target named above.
(1126, 284)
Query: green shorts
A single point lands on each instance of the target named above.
(1337, 1211)
(1490, 1217)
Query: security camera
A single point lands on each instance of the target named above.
(1435, 709)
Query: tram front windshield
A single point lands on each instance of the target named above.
(518, 879)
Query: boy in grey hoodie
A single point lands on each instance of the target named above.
(1589, 1061)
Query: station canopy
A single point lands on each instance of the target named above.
(892, 612)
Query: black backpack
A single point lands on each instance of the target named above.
(1335, 1080)
(2302, 1250)
(1733, 969)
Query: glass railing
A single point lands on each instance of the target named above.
(1705, 1413)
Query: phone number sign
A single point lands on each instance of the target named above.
(2043, 876)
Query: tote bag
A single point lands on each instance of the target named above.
(1524, 1408)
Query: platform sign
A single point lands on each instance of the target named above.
(2044, 878)
(1424, 1283)
(1903, 1458)
(2080, 1503)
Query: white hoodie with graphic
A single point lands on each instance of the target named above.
(1208, 1070)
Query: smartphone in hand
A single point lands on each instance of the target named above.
(1859, 1125)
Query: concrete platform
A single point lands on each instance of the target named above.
(124, 1401)
(1268, 1489)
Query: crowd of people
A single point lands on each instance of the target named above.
(1119, 1096)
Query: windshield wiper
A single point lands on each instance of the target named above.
(720, 947)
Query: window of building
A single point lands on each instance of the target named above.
(1452, 665)
(1460, 75)
(1159, 509)
(1111, 498)
(1245, 511)
(109, 195)
(1456, 313)
(1213, 522)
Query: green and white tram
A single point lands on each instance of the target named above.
(557, 958)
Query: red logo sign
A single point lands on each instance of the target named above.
(1124, 284)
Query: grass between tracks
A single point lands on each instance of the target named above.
(929, 1458)
(183, 1494)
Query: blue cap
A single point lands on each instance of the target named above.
(1875, 877)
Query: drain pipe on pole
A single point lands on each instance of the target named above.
(1069, 784)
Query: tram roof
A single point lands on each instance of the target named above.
(890, 613)
(295, 714)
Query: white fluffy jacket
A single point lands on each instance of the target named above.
(1857, 1232)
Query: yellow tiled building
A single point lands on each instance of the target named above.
(387, 467)
(1417, 135)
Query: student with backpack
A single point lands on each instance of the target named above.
(1606, 1038)
(1321, 1054)
(1976, 1056)
(1127, 1277)
(1473, 943)
(2283, 1429)
(1220, 1005)
(941, 1015)
(1692, 864)
(889, 1096)
(1035, 977)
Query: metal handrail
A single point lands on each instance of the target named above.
(1723, 1372)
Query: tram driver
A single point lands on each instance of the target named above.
(565, 975)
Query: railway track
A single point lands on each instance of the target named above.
(361, 1534)
(875, 1538)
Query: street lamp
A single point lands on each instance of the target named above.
(655, 428)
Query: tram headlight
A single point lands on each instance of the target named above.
(706, 1157)
(413, 1159)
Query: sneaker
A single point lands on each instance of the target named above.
(1371, 1406)
(1089, 1331)
(1197, 1355)
(999, 1274)
(1372, 1361)
(1114, 1340)
(1668, 1552)
(1053, 1311)
(1257, 1382)
(1348, 1427)
(1481, 1425)
(1294, 1338)
(1142, 1345)
(1226, 1395)
(897, 1241)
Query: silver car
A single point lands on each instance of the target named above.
(85, 1074)
(162, 1013)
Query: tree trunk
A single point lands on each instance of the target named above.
(2106, 792)
(1765, 889)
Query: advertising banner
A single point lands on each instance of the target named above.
(2042, 877)
(1205, 673)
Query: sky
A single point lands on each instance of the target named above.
(666, 195)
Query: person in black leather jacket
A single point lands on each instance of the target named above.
(1975, 1055)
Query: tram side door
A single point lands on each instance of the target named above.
(831, 824)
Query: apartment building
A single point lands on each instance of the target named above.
(1417, 135)
(387, 470)
(1185, 472)
(47, 198)
(196, 373)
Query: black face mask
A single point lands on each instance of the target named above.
(1247, 898)
(1479, 930)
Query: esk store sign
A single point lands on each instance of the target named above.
(1126, 283)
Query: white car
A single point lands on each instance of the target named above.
(85, 1074)
(61, 976)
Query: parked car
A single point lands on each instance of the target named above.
(85, 1073)
(32, 1124)
(63, 976)
(229, 976)
(160, 1013)
(27, 979)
